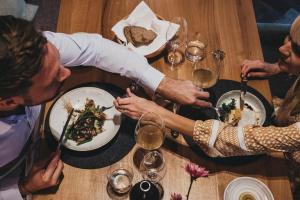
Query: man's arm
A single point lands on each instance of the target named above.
(94, 50)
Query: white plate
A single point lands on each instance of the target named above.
(247, 185)
(77, 98)
(248, 116)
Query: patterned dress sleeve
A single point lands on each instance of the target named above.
(221, 140)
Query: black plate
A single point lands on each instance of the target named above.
(197, 113)
(106, 155)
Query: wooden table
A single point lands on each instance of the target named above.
(229, 25)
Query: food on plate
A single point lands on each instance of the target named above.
(229, 113)
(138, 35)
(87, 123)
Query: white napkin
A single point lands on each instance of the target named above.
(143, 16)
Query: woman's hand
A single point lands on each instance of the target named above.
(134, 106)
(258, 68)
(43, 178)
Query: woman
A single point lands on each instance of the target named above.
(215, 138)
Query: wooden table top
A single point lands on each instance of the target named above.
(230, 26)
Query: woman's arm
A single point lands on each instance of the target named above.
(134, 107)
(216, 138)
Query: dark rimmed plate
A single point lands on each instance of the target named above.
(197, 113)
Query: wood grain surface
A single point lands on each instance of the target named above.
(229, 25)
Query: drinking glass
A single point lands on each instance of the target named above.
(153, 166)
(196, 48)
(119, 178)
(206, 76)
(175, 56)
(149, 131)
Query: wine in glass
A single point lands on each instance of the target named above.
(176, 40)
(206, 76)
(149, 131)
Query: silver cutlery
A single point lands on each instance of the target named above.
(244, 82)
(103, 108)
(175, 109)
(60, 141)
(217, 110)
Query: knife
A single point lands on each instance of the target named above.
(243, 92)
(64, 130)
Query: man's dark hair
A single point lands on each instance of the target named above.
(21, 54)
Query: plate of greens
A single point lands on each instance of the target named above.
(90, 127)
(253, 113)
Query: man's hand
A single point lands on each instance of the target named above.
(258, 68)
(43, 178)
(183, 92)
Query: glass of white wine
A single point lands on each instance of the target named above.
(176, 40)
(150, 131)
(206, 76)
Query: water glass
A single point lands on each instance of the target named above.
(196, 47)
(120, 177)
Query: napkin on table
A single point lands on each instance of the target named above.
(143, 16)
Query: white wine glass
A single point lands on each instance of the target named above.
(206, 76)
(175, 41)
(150, 131)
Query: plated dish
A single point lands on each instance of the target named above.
(254, 111)
(94, 129)
(247, 188)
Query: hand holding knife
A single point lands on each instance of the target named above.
(244, 81)
(64, 130)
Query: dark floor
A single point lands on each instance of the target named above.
(47, 14)
(274, 18)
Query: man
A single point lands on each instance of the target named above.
(32, 72)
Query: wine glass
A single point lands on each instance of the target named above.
(153, 167)
(149, 131)
(206, 76)
(176, 40)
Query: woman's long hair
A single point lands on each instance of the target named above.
(290, 107)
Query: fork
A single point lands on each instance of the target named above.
(217, 110)
(103, 108)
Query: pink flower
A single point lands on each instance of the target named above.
(196, 171)
(175, 196)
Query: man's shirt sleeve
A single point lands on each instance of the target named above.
(94, 50)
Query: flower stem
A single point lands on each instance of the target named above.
(188, 194)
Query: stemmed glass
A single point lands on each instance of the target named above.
(153, 166)
(150, 131)
(176, 41)
(149, 135)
